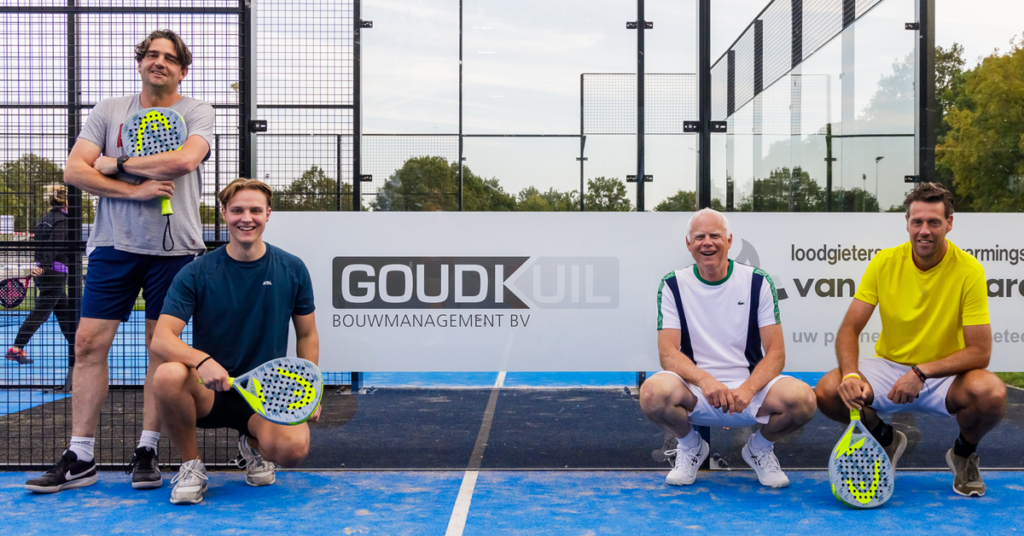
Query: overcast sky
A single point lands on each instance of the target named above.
(522, 66)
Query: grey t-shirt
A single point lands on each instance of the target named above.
(138, 226)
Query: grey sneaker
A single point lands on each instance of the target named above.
(966, 474)
(258, 472)
(189, 483)
(766, 465)
(896, 448)
(687, 464)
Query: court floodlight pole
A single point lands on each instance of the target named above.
(704, 103)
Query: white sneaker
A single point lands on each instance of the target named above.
(688, 461)
(766, 465)
(189, 483)
(258, 472)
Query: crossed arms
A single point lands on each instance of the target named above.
(88, 170)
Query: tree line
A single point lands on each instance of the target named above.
(979, 157)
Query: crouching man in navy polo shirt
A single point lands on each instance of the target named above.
(714, 318)
(240, 298)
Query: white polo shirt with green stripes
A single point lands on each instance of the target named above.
(720, 321)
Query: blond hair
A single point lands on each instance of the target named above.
(240, 184)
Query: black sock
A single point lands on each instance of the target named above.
(883, 433)
(963, 448)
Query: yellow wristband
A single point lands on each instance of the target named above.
(851, 375)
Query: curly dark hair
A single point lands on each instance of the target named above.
(930, 192)
(180, 48)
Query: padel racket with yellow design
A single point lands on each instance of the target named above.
(286, 390)
(153, 131)
(859, 469)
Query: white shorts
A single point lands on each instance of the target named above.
(882, 374)
(704, 414)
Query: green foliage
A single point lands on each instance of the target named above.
(22, 194)
(786, 191)
(532, 200)
(484, 194)
(313, 191)
(984, 148)
(606, 194)
(430, 183)
(21, 189)
(681, 201)
(888, 106)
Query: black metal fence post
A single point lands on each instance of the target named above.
(247, 89)
(704, 103)
(641, 25)
(926, 108)
(76, 276)
(357, 108)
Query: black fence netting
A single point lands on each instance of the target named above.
(59, 59)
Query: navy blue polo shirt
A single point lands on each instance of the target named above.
(240, 310)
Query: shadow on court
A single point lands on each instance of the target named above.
(599, 428)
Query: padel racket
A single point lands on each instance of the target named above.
(286, 390)
(859, 469)
(12, 291)
(153, 131)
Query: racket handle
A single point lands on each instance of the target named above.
(854, 415)
(165, 206)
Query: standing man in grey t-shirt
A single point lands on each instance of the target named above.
(128, 250)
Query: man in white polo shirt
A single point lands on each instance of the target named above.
(714, 318)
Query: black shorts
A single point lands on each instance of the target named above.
(229, 411)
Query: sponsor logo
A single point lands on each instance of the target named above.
(265, 283)
(69, 476)
(475, 282)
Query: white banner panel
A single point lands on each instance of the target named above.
(576, 292)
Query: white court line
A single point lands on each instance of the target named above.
(457, 523)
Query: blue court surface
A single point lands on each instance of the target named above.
(514, 502)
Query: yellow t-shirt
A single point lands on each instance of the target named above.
(924, 313)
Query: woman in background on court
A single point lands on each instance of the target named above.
(51, 277)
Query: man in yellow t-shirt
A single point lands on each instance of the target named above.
(935, 344)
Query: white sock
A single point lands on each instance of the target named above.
(83, 447)
(245, 441)
(149, 439)
(759, 443)
(690, 441)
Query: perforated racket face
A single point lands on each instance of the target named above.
(12, 292)
(153, 131)
(288, 388)
(859, 469)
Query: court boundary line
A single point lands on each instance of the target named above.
(460, 512)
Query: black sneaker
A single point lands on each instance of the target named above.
(68, 473)
(144, 469)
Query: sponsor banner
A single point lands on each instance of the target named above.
(577, 292)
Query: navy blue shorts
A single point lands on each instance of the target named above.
(114, 279)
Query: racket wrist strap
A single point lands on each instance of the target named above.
(851, 375)
(920, 375)
(209, 357)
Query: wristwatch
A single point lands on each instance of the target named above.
(120, 163)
